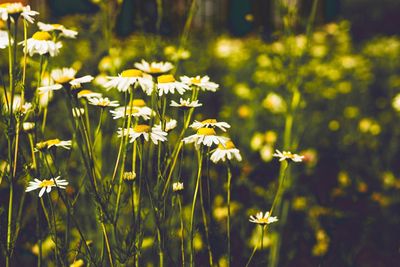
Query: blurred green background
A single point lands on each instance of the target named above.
(345, 199)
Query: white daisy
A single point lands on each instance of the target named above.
(103, 102)
(262, 219)
(65, 76)
(176, 187)
(288, 155)
(137, 108)
(144, 130)
(41, 43)
(170, 125)
(17, 107)
(27, 126)
(185, 104)
(46, 185)
(167, 84)
(7, 10)
(88, 94)
(205, 136)
(4, 39)
(77, 112)
(154, 67)
(128, 78)
(53, 142)
(201, 82)
(210, 123)
(226, 151)
(58, 28)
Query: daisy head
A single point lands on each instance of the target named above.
(177, 187)
(167, 84)
(103, 102)
(224, 152)
(143, 130)
(263, 219)
(58, 29)
(4, 39)
(201, 82)
(41, 43)
(169, 125)
(185, 104)
(44, 145)
(205, 136)
(288, 155)
(128, 78)
(46, 185)
(136, 108)
(154, 68)
(12, 11)
(210, 123)
(65, 77)
(88, 94)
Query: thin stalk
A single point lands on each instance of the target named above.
(204, 215)
(255, 248)
(107, 245)
(196, 190)
(182, 231)
(228, 221)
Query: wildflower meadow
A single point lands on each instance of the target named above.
(144, 133)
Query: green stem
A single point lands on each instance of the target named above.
(182, 231)
(196, 190)
(204, 215)
(228, 222)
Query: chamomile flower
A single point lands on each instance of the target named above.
(170, 125)
(46, 185)
(137, 108)
(65, 77)
(53, 143)
(28, 126)
(9, 10)
(17, 106)
(210, 123)
(154, 67)
(58, 28)
(88, 94)
(288, 155)
(155, 134)
(176, 187)
(4, 39)
(226, 151)
(167, 84)
(103, 102)
(263, 219)
(201, 82)
(77, 112)
(41, 43)
(205, 136)
(185, 104)
(128, 78)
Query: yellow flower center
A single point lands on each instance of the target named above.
(12, 8)
(41, 36)
(57, 26)
(45, 183)
(168, 78)
(142, 128)
(137, 103)
(84, 92)
(206, 131)
(196, 80)
(52, 142)
(63, 79)
(154, 70)
(130, 111)
(228, 145)
(209, 121)
(131, 73)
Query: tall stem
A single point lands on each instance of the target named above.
(196, 190)
(228, 221)
(182, 231)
